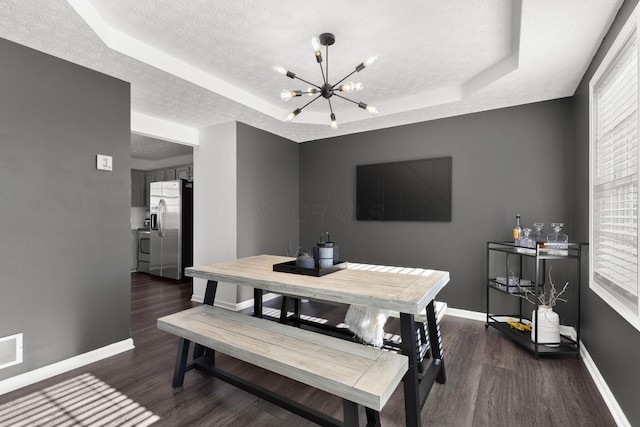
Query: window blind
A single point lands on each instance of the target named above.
(615, 178)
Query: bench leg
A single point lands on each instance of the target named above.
(200, 350)
(424, 336)
(284, 309)
(181, 365)
(435, 341)
(296, 307)
(350, 411)
(209, 298)
(424, 351)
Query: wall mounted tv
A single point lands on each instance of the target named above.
(413, 190)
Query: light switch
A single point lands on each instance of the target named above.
(104, 163)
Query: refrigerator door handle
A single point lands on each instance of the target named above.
(162, 207)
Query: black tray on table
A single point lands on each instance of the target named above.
(290, 267)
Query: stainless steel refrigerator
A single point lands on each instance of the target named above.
(171, 210)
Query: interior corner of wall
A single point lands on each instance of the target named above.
(199, 288)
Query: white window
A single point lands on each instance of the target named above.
(613, 195)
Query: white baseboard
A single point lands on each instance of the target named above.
(466, 314)
(601, 384)
(40, 374)
(234, 307)
(619, 417)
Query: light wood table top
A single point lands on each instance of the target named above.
(406, 290)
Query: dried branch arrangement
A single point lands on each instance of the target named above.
(544, 299)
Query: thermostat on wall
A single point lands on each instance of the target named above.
(104, 163)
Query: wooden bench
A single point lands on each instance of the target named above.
(360, 375)
(296, 318)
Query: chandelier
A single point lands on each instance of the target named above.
(326, 90)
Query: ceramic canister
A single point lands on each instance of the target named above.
(323, 252)
(305, 260)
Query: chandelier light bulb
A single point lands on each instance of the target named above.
(315, 43)
(281, 70)
(350, 87)
(311, 91)
(347, 87)
(370, 60)
(373, 110)
(292, 114)
(334, 123)
(286, 95)
(370, 108)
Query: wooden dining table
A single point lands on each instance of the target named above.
(408, 291)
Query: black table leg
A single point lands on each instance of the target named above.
(373, 418)
(411, 379)
(210, 292)
(350, 413)
(257, 303)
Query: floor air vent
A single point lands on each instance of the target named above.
(10, 350)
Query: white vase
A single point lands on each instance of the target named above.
(548, 326)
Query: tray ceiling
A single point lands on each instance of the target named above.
(201, 63)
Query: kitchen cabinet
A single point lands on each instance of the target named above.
(138, 188)
(510, 278)
(170, 174)
(149, 177)
(184, 172)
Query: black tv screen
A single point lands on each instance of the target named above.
(413, 190)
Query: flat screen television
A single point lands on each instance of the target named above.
(412, 190)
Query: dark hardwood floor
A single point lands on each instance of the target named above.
(490, 380)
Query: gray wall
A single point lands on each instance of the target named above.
(65, 247)
(612, 342)
(508, 161)
(267, 179)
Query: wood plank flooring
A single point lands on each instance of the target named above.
(490, 380)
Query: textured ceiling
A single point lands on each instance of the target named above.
(202, 62)
(146, 148)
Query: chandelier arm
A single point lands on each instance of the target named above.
(345, 98)
(313, 100)
(330, 107)
(324, 79)
(345, 77)
(309, 83)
